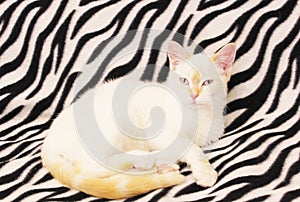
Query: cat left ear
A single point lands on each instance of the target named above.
(176, 54)
(224, 59)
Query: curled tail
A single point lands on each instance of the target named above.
(113, 187)
(124, 186)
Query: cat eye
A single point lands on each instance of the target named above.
(207, 82)
(184, 81)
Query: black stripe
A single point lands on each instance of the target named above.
(259, 199)
(249, 126)
(204, 4)
(5, 179)
(205, 199)
(41, 106)
(163, 73)
(290, 195)
(43, 179)
(192, 188)
(16, 30)
(286, 76)
(237, 27)
(148, 73)
(17, 152)
(119, 20)
(13, 113)
(275, 124)
(199, 26)
(88, 14)
(22, 84)
(250, 102)
(5, 17)
(96, 78)
(250, 161)
(124, 69)
(160, 194)
(74, 197)
(134, 198)
(254, 181)
(59, 41)
(293, 170)
(281, 14)
(55, 192)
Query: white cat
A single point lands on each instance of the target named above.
(200, 90)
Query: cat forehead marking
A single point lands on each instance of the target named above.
(195, 77)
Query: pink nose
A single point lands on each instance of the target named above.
(194, 96)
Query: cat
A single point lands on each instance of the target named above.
(199, 90)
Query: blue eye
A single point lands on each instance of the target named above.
(207, 82)
(184, 81)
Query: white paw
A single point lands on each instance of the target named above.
(208, 179)
(204, 173)
(141, 160)
(143, 163)
(164, 167)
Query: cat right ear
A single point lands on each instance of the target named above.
(176, 54)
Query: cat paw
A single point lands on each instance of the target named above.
(143, 163)
(208, 179)
(141, 160)
(163, 167)
(204, 173)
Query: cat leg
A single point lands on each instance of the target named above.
(118, 162)
(141, 160)
(165, 158)
(164, 161)
(91, 168)
(202, 170)
(137, 159)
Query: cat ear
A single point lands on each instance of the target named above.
(224, 59)
(176, 54)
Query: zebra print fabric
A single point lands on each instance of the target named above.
(45, 43)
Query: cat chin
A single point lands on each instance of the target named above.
(196, 105)
(200, 104)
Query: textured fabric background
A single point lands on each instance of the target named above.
(43, 45)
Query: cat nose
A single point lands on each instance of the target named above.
(194, 96)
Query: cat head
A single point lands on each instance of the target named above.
(199, 77)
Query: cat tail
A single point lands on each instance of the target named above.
(124, 186)
(116, 186)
